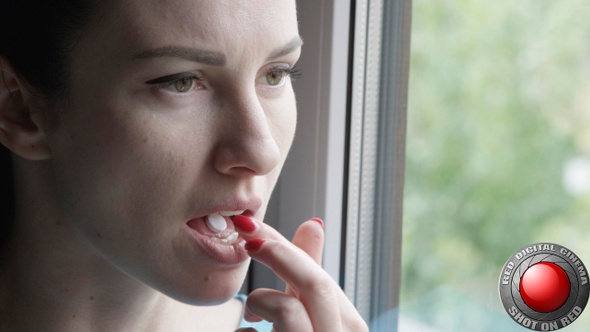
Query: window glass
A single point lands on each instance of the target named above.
(498, 152)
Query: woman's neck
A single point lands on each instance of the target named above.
(56, 283)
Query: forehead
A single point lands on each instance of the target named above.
(228, 26)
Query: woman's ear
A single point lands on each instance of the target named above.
(20, 130)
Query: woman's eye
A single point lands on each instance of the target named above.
(276, 76)
(183, 85)
(179, 83)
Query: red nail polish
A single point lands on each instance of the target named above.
(244, 224)
(319, 221)
(254, 244)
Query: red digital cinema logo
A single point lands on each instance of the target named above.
(544, 287)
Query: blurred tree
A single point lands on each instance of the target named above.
(498, 104)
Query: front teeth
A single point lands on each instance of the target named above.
(230, 239)
(231, 213)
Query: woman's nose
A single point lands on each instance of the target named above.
(246, 145)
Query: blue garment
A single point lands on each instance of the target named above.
(262, 326)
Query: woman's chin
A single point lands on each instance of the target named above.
(211, 297)
(210, 290)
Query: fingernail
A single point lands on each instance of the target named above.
(244, 224)
(319, 221)
(254, 244)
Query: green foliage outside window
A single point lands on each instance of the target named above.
(499, 109)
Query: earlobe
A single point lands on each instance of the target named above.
(19, 130)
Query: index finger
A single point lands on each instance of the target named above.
(314, 287)
(309, 237)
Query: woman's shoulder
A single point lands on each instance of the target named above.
(262, 326)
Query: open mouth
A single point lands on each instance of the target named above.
(219, 226)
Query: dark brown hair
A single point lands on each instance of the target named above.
(36, 37)
(6, 194)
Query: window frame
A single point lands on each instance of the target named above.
(312, 180)
(346, 164)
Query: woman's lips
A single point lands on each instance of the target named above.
(212, 243)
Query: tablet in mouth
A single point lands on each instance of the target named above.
(219, 227)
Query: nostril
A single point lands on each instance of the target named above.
(250, 147)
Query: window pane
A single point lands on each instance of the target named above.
(498, 152)
(376, 149)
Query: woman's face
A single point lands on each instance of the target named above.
(176, 109)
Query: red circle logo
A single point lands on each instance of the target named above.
(544, 287)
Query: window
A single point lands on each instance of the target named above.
(311, 184)
(497, 152)
(497, 155)
(346, 164)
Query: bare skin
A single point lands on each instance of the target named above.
(108, 180)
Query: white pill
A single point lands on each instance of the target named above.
(216, 223)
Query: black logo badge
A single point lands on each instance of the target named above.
(544, 287)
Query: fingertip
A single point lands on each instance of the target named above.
(318, 220)
(309, 230)
(310, 238)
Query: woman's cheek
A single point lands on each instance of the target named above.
(282, 118)
(112, 153)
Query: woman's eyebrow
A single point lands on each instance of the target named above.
(210, 57)
(291, 46)
(191, 54)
